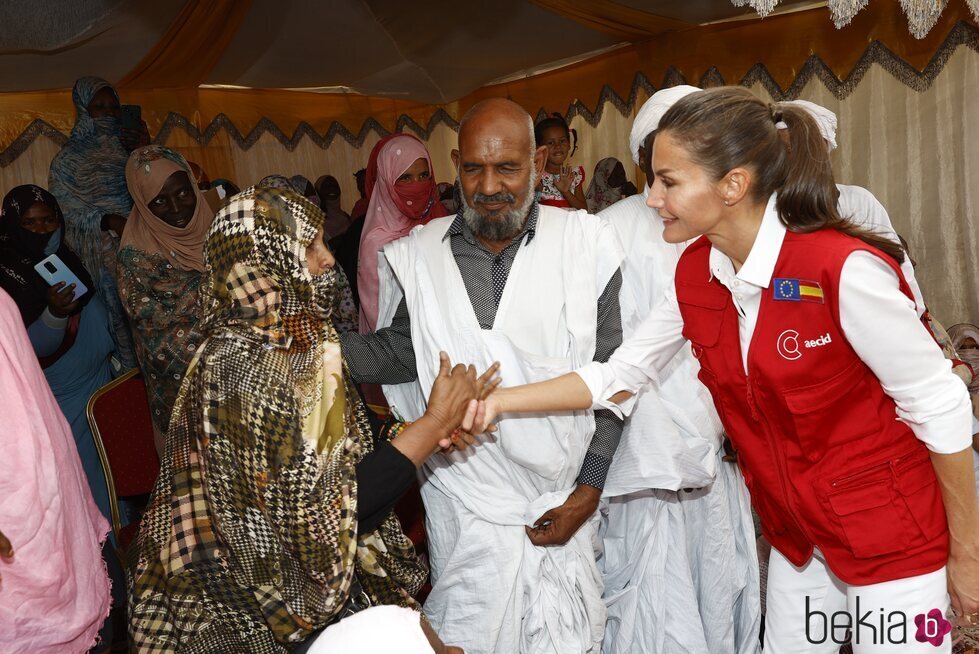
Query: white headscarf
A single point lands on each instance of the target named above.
(825, 120)
(385, 628)
(647, 120)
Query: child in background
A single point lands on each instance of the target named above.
(561, 186)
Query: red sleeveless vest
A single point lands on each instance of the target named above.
(822, 452)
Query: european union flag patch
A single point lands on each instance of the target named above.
(796, 290)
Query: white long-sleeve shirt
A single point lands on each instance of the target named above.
(879, 321)
(860, 206)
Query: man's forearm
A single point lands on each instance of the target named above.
(604, 443)
(382, 357)
(373, 360)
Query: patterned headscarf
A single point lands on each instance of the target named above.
(21, 250)
(147, 171)
(959, 334)
(600, 195)
(255, 268)
(261, 458)
(88, 176)
(276, 181)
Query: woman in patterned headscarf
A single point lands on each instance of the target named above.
(88, 178)
(271, 516)
(344, 315)
(161, 258)
(608, 185)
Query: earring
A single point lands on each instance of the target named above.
(727, 203)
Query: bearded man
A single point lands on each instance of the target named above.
(512, 523)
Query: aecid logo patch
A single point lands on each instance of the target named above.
(825, 339)
(788, 344)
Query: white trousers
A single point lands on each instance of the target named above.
(810, 611)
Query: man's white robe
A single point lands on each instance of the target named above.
(493, 590)
(680, 567)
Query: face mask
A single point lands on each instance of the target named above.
(34, 245)
(415, 199)
(107, 125)
(54, 242)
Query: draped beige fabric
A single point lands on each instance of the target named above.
(916, 151)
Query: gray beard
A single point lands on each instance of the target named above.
(503, 226)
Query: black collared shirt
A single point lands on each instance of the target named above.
(387, 356)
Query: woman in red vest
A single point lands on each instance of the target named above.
(851, 431)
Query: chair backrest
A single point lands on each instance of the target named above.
(119, 416)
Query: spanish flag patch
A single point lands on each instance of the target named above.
(796, 290)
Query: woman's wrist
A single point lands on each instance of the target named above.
(435, 425)
(417, 440)
(965, 545)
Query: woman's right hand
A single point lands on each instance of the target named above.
(61, 301)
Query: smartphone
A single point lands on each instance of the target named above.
(132, 116)
(53, 270)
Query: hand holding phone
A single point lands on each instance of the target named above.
(132, 116)
(54, 271)
(61, 300)
(133, 133)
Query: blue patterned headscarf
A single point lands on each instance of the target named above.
(88, 176)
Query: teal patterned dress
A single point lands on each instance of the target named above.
(161, 302)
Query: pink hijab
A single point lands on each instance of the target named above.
(387, 219)
(54, 591)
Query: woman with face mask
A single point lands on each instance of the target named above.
(402, 191)
(88, 178)
(161, 259)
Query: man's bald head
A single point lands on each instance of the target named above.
(498, 168)
(497, 116)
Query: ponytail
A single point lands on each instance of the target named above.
(807, 200)
(727, 127)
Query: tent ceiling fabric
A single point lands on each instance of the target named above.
(394, 48)
(76, 38)
(432, 53)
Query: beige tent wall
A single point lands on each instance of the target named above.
(915, 151)
(918, 153)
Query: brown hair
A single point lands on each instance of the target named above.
(728, 127)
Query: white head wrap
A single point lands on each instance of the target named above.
(647, 120)
(825, 119)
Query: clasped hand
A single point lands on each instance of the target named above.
(457, 401)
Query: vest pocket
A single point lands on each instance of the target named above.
(872, 518)
(834, 412)
(703, 312)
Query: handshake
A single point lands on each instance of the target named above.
(459, 406)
